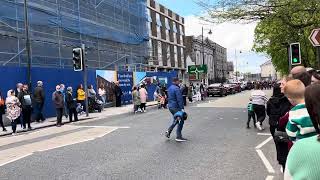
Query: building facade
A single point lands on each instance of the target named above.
(166, 45)
(214, 56)
(114, 33)
(268, 72)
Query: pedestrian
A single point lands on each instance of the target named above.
(251, 115)
(91, 92)
(58, 101)
(2, 111)
(65, 110)
(259, 100)
(13, 110)
(18, 89)
(71, 104)
(303, 159)
(175, 105)
(143, 97)
(300, 125)
(202, 91)
(26, 105)
(198, 93)
(102, 94)
(315, 77)
(190, 93)
(118, 94)
(277, 106)
(304, 77)
(136, 99)
(184, 91)
(81, 97)
(38, 102)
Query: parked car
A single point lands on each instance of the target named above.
(217, 89)
(243, 86)
(230, 89)
(236, 86)
(249, 85)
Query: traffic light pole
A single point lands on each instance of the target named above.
(318, 55)
(289, 58)
(26, 24)
(85, 79)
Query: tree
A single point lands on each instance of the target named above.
(280, 22)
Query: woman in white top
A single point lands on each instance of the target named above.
(259, 100)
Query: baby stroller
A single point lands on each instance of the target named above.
(95, 105)
(79, 108)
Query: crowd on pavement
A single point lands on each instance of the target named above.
(21, 106)
(294, 119)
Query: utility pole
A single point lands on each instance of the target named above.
(202, 52)
(26, 25)
(235, 55)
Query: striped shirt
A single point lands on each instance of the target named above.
(250, 107)
(300, 125)
(258, 97)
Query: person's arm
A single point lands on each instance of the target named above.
(179, 98)
(292, 130)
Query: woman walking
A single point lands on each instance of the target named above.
(13, 110)
(2, 111)
(143, 97)
(136, 99)
(259, 100)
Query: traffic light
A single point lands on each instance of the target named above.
(77, 59)
(295, 54)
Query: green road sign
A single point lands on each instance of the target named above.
(198, 70)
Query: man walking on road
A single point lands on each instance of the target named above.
(175, 106)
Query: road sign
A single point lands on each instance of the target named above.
(197, 72)
(315, 37)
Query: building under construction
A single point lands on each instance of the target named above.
(113, 31)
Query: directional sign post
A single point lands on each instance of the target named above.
(315, 40)
(199, 71)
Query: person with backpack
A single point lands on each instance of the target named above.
(2, 112)
(25, 99)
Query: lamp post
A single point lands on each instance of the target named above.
(26, 25)
(202, 38)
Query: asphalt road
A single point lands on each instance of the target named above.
(134, 147)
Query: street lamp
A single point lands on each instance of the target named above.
(210, 32)
(26, 25)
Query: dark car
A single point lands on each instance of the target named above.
(230, 88)
(249, 86)
(217, 89)
(236, 87)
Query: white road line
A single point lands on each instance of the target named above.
(264, 143)
(264, 134)
(269, 177)
(117, 127)
(16, 159)
(265, 161)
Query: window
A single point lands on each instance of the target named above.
(181, 40)
(158, 31)
(149, 15)
(149, 28)
(168, 56)
(182, 58)
(174, 27)
(167, 35)
(160, 54)
(181, 30)
(158, 19)
(167, 23)
(175, 56)
(174, 37)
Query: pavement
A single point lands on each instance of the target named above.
(128, 146)
(112, 111)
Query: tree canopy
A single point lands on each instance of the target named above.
(280, 22)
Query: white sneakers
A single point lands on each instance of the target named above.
(259, 126)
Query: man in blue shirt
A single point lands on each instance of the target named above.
(175, 104)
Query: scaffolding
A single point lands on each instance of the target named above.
(110, 30)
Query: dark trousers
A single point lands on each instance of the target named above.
(1, 122)
(136, 107)
(37, 107)
(26, 114)
(14, 125)
(184, 100)
(118, 101)
(143, 106)
(190, 99)
(59, 115)
(260, 111)
(251, 115)
(175, 122)
(73, 112)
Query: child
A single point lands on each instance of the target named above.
(251, 115)
(300, 125)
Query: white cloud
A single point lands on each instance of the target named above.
(239, 37)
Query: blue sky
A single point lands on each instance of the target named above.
(235, 37)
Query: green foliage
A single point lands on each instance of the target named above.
(280, 22)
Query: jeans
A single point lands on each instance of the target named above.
(184, 100)
(180, 123)
(143, 106)
(59, 116)
(73, 112)
(253, 116)
(14, 125)
(26, 114)
(37, 107)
